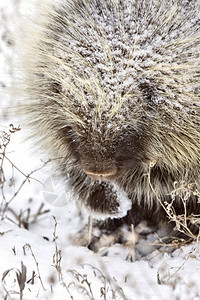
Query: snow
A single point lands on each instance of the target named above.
(39, 243)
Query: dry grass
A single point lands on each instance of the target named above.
(21, 280)
(183, 191)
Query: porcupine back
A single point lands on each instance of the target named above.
(114, 86)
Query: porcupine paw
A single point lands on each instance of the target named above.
(107, 200)
(103, 199)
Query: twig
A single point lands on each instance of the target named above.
(90, 225)
(57, 260)
(57, 256)
(28, 246)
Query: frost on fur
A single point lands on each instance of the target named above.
(110, 87)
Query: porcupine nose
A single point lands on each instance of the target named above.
(100, 171)
(99, 168)
(102, 175)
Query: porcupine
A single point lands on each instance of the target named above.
(113, 91)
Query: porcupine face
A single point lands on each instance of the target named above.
(104, 153)
(105, 158)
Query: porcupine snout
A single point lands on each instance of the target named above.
(100, 170)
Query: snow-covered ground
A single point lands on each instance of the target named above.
(40, 252)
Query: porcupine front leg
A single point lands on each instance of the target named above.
(102, 200)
